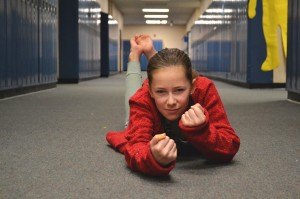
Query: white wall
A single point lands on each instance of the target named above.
(103, 5)
(172, 37)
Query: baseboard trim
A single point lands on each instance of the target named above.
(248, 85)
(24, 90)
(76, 80)
(294, 96)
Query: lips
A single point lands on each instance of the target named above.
(172, 110)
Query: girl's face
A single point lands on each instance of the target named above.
(170, 90)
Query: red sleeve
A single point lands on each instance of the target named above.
(139, 133)
(215, 139)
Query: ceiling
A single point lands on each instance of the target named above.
(180, 11)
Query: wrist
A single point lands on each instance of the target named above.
(134, 57)
(150, 54)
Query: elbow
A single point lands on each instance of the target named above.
(226, 154)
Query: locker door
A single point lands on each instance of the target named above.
(126, 51)
(25, 41)
(12, 39)
(35, 39)
(3, 38)
(40, 42)
(55, 44)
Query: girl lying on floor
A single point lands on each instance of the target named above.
(173, 100)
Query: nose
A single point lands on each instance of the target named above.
(171, 100)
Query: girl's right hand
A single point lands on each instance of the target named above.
(147, 44)
(164, 151)
(136, 50)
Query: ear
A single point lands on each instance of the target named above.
(150, 92)
(193, 86)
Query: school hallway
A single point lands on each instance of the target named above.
(53, 146)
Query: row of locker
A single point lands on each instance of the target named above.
(113, 55)
(88, 39)
(233, 50)
(89, 51)
(293, 58)
(28, 43)
(212, 55)
(113, 47)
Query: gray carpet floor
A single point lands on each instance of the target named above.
(52, 145)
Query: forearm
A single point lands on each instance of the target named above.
(139, 158)
(133, 83)
(215, 143)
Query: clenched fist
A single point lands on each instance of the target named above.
(194, 116)
(164, 151)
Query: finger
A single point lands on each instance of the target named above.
(185, 122)
(161, 144)
(173, 153)
(132, 41)
(197, 111)
(160, 136)
(192, 115)
(187, 116)
(141, 38)
(199, 106)
(154, 141)
(169, 146)
(174, 149)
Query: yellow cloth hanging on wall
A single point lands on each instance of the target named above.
(274, 16)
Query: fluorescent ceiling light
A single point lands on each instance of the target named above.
(156, 21)
(95, 10)
(211, 22)
(228, 0)
(155, 10)
(112, 22)
(154, 0)
(91, 10)
(85, 10)
(156, 16)
(215, 16)
(218, 10)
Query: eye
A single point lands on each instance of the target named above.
(179, 90)
(160, 91)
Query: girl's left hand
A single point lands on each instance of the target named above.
(194, 116)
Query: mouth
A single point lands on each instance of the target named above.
(172, 110)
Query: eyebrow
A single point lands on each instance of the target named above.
(172, 88)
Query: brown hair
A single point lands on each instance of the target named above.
(171, 57)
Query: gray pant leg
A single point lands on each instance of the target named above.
(133, 83)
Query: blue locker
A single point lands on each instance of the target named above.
(293, 59)
(9, 44)
(30, 42)
(53, 41)
(23, 40)
(12, 45)
(42, 35)
(16, 43)
(3, 64)
(126, 51)
(27, 41)
(34, 38)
